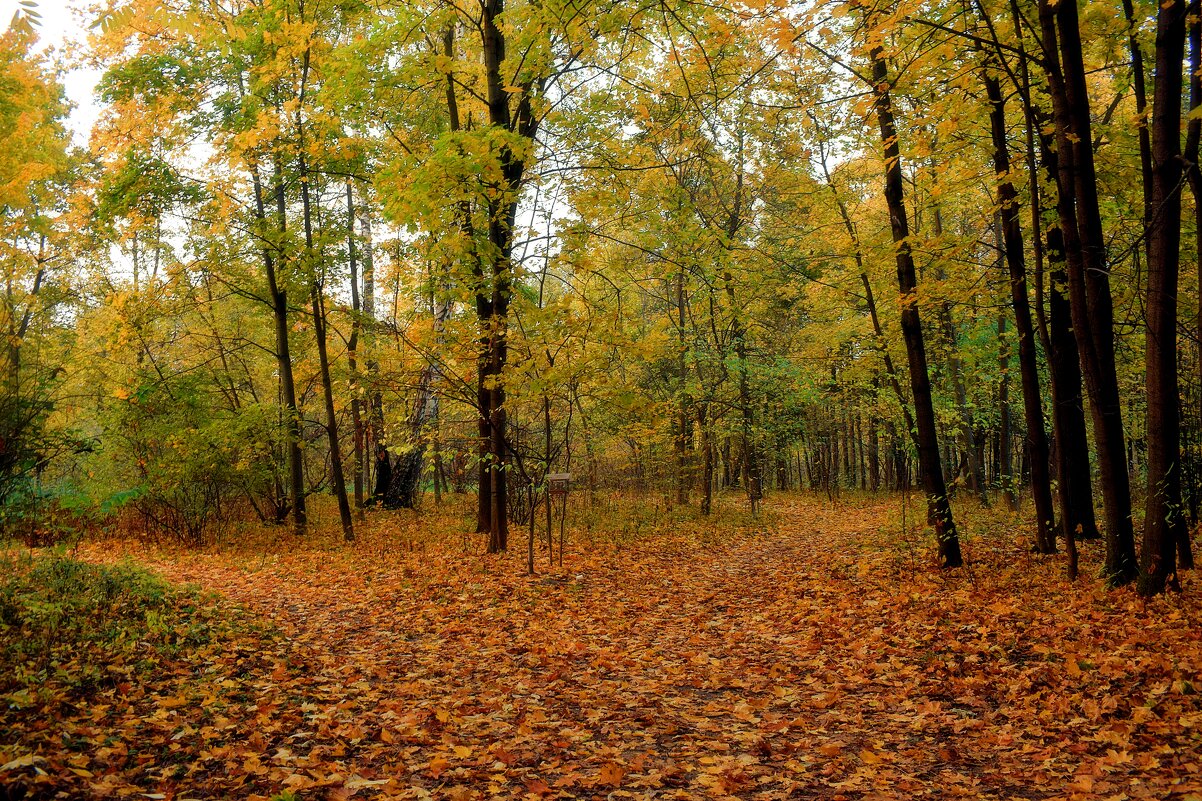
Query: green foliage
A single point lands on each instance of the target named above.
(67, 623)
(193, 462)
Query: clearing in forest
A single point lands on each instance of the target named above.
(815, 653)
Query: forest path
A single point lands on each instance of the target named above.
(816, 658)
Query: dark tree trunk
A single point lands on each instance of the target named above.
(684, 420)
(1012, 246)
(1003, 474)
(874, 457)
(1185, 556)
(939, 512)
(707, 455)
(1077, 520)
(1163, 520)
(1139, 86)
(493, 316)
(1089, 278)
(403, 488)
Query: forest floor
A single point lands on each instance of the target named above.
(815, 652)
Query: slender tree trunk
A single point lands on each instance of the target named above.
(353, 351)
(1075, 492)
(683, 418)
(968, 445)
(1185, 556)
(874, 457)
(374, 431)
(338, 480)
(1163, 519)
(1012, 246)
(707, 456)
(402, 492)
(1089, 278)
(1003, 474)
(751, 456)
(1077, 520)
(1139, 86)
(939, 511)
(279, 308)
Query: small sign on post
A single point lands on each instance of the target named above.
(559, 483)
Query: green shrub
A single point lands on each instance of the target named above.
(67, 622)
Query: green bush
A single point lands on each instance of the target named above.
(64, 622)
(173, 467)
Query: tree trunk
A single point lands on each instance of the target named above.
(707, 455)
(751, 457)
(968, 445)
(279, 308)
(1012, 245)
(1163, 520)
(939, 512)
(1089, 278)
(1077, 520)
(352, 349)
(1003, 474)
(1185, 556)
(1139, 86)
(374, 432)
(874, 457)
(323, 357)
(493, 316)
(683, 418)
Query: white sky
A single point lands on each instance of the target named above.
(60, 33)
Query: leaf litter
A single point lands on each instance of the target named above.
(818, 655)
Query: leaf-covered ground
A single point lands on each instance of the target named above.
(814, 654)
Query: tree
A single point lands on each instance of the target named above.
(939, 512)
(34, 174)
(1088, 277)
(1164, 521)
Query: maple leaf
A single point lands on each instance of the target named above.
(611, 774)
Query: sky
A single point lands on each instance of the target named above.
(61, 31)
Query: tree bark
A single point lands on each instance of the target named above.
(494, 314)
(1163, 519)
(402, 491)
(707, 456)
(353, 351)
(1185, 556)
(1089, 278)
(1139, 87)
(939, 512)
(1012, 242)
(337, 478)
(279, 309)
(374, 430)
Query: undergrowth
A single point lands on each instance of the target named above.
(69, 628)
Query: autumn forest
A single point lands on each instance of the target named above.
(472, 399)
